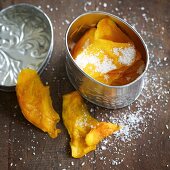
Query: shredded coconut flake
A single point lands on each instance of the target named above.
(103, 147)
(106, 77)
(167, 126)
(104, 5)
(67, 21)
(142, 8)
(101, 66)
(86, 4)
(129, 124)
(126, 55)
(116, 51)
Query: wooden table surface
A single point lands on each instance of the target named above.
(144, 143)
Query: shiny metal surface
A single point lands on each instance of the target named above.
(100, 94)
(26, 41)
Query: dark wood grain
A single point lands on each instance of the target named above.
(22, 146)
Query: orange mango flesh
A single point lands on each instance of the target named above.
(85, 131)
(103, 40)
(101, 49)
(85, 41)
(104, 48)
(130, 74)
(107, 47)
(108, 30)
(120, 77)
(35, 102)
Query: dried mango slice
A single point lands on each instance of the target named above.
(136, 68)
(108, 30)
(121, 76)
(108, 55)
(85, 131)
(123, 54)
(110, 77)
(130, 74)
(104, 56)
(84, 42)
(35, 102)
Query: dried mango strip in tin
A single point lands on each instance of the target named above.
(108, 30)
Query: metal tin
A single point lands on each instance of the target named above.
(112, 97)
(26, 41)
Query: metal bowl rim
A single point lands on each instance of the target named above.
(135, 31)
(47, 58)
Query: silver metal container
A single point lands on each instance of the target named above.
(100, 94)
(26, 41)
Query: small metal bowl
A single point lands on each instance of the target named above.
(26, 41)
(112, 97)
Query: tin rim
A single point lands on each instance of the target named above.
(135, 31)
(47, 58)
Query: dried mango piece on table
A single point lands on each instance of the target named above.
(108, 30)
(84, 42)
(35, 102)
(85, 131)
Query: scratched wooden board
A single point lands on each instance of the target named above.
(22, 146)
